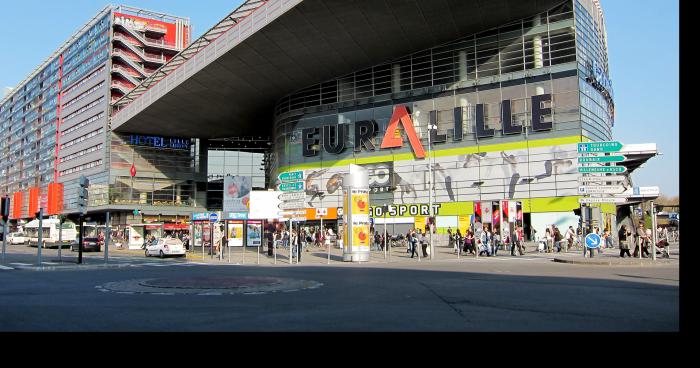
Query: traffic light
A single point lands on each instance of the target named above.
(83, 195)
(5, 208)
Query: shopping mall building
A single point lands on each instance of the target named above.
(509, 88)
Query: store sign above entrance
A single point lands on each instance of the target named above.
(336, 136)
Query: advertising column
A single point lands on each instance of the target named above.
(356, 209)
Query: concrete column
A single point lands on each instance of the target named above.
(462, 66)
(537, 45)
(395, 78)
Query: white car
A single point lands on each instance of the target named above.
(166, 247)
(17, 238)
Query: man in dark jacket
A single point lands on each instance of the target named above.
(622, 236)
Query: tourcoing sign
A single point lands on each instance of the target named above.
(334, 137)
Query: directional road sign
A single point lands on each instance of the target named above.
(601, 178)
(599, 159)
(602, 169)
(646, 191)
(616, 200)
(295, 212)
(601, 189)
(292, 196)
(593, 240)
(291, 205)
(291, 176)
(292, 187)
(599, 147)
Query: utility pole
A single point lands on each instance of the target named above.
(430, 187)
(82, 206)
(5, 213)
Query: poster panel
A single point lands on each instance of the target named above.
(486, 212)
(237, 193)
(464, 223)
(254, 231)
(512, 211)
(360, 202)
(234, 234)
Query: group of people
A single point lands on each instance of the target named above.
(642, 239)
(486, 242)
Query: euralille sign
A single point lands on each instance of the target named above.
(160, 142)
(336, 136)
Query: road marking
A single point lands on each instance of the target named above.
(21, 264)
(6, 268)
(210, 294)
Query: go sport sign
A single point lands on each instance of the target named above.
(404, 210)
(336, 136)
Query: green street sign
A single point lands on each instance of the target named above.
(291, 176)
(602, 169)
(292, 187)
(599, 159)
(599, 147)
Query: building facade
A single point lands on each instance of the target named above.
(54, 126)
(509, 105)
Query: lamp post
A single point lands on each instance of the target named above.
(430, 188)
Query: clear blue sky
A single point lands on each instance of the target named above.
(642, 41)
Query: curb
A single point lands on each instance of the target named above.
(611, 262)
(74, 267)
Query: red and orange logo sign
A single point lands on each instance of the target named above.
(393, 139)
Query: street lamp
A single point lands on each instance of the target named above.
(430, 187)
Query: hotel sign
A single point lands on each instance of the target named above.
(160, 142)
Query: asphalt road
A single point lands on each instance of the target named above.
(506, 294)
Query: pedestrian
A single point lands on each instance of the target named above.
(495, 241)
(517, 242)
(457, 240)
(414, 243)
(569, 238)
(484, 239)
(450, 237)
(608, 239)
(641, 239)
(550, 241)
(423, 243)
(623, 236)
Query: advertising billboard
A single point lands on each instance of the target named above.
(237, 193)
(234, 234)
(264, 205)
(254, 234)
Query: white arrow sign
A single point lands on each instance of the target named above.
(602, 200)
(611, 178)
(293, 213)
(601, 189)
(292, 196)
(291, 205)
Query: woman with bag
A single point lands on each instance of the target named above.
(622, 236)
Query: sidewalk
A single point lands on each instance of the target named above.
(123, 258)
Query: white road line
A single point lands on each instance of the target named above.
(21, 264)
(6, 268)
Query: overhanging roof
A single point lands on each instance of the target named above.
(229, 88)
(637, 154)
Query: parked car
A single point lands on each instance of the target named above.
(166, 247)
(90, 244)
(17, 238)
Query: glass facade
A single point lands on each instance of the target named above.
(476, 83)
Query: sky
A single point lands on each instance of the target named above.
(643, 50)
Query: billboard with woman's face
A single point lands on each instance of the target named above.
(237, 193)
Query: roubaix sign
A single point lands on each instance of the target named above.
(336, 136)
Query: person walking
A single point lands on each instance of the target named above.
(550, 241)
(622, 237)
(423, 243)
(457, 240)
(517, 242)
(640, 238)
(569, 238)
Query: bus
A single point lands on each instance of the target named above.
(50, 229)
